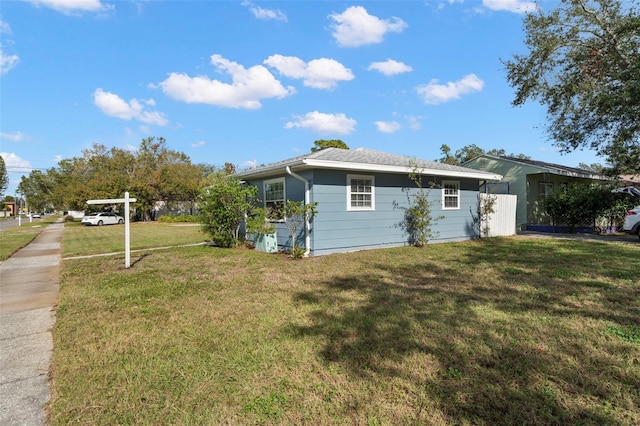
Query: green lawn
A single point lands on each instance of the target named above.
(82, 240)
(499, 331)
(14, 238)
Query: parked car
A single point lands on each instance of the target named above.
(632, 217)
(102, 218)
(35, 215)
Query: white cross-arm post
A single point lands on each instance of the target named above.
(127, 236)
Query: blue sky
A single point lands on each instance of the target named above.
(252, 82)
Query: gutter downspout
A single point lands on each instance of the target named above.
(307, 236)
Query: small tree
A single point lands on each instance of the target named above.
(485, 208)
(296, 213)
(418, 221)
(257, 222)
(223, 208)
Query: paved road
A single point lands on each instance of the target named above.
(29, 283)
(10, 223)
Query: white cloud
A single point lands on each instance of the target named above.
(265, 14)
(247, 88)
(114, 106)
(433, 93)
(250, 164)
(320, 73)
(198, 144)
(7, 62)
(355, 27)
(4, 27)
(69, 7)
(14, 137)
(517, 6)
(415, 122)
(390, 67)
(58, 158)
(388, 126)
(320, 122)
(15, 164)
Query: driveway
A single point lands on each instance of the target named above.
(611, 238)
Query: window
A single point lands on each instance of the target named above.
(360, 192)
(450, 195)
(545, 189)
(274, 198)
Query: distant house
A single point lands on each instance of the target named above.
(361, 194)
(630, 180)
(531, 181)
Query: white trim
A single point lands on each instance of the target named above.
(373, 192)
(445, 196)
(473, 174)
(310, 163)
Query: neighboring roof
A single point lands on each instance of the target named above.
(630, 179)
(557, 169)
(365, 160)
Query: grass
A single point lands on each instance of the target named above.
(498, 331)
(82, 240)
(14, 238)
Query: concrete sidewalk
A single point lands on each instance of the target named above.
(29, 283)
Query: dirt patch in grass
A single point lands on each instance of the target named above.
(500, 331)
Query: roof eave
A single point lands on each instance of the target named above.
(472, 174)
(310, 163)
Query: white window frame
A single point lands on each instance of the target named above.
(371, 178)
(282, 200)
(449, 196)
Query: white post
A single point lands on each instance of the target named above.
(127, 245)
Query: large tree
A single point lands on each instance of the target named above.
(583, 64)
(152, 173)
(321, 144)
(469, 152)
(37, 188)
(4, 177)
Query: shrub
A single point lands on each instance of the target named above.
(179, 218)
(224, 207)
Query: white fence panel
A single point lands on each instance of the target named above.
(502, 222)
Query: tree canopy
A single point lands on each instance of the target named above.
(4, 177)
(321, 144)
(151, 173)
(583, 64)
(469, 152)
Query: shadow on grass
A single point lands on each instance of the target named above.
(521, 346)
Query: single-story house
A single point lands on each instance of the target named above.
(531, 181)
(362, 196)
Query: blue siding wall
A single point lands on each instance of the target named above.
(337, 230)
(334, 229)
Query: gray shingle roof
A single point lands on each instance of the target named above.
(364, 159)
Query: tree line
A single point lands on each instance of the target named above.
(151, 173)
